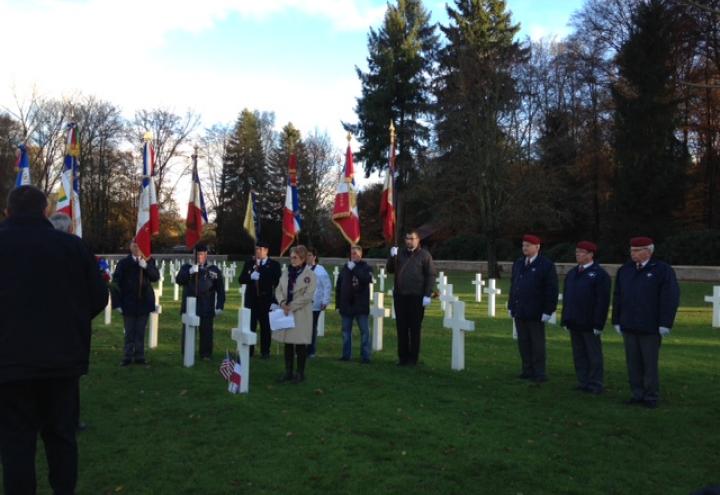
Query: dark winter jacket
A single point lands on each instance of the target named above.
(414, 272)
(647, 299)
(132, 288)
(533, 289)
(586, 299)
(50, 290)
(352, 291)
(261, 292)
(210, 289)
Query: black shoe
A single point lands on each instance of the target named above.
(125, 362)
(364, 361)
(540, 379)
(265, 356)
(525, 376)
(343, 359)
(298, 378)
(632, 401)
(650, 404)
(582, 388)
(401, 363)
(286, 377)
(141, 361)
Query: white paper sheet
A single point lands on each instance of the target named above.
(279, 322)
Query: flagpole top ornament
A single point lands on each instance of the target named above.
(148, 136)
(349, 137)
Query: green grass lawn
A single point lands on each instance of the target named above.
(380, 429)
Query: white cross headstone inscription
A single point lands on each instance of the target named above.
(244, 338)
(491, 291)
(478, 283)
(381, 277)
(154, 317)
(459, 325)
(378, 312)
(446, 298)
(321, 324)
(715, 300)
(191, 321)
(553, 317)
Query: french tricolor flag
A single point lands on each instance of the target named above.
(291, 212)
(23, 167)
(148, 222)
(196, 214)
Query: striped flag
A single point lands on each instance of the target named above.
(196, 214)
(251, 224)
(291, 213)
(387, 200)
(345, 212)
(148, 222)
(227, 366)
(23, 167)
(69, 193)
(235, 379)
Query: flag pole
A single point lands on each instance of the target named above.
(195, 172)
(391, 171)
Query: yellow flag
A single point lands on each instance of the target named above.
(249, 222)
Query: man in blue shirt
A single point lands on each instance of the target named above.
(645, 302)
(533, 299)
(586, 300)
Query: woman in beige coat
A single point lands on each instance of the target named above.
(295, 295)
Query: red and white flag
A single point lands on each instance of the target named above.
(148, 222)
(226, 367)
(196, 214)
(291, 212)
(69, 193)
(235, 379)
(345, 212)
(387, 200)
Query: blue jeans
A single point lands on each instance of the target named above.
(347, 322)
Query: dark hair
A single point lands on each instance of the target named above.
(26, 200)
(313, 250)
(412, 232)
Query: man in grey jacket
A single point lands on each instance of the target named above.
(414, 280)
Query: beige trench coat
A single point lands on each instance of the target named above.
(301, 307)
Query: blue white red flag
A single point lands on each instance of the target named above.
(196, 214)
(148, 222)
(69, 194)
(291, 213)
(23, 167)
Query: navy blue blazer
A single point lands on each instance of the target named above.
(586, 299)
(533, 289)
(646, 299)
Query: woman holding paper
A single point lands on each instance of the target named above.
(295, 296)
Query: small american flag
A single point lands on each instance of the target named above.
(227, 366)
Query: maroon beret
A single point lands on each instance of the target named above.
(587, 246)
(532, 239)
(641, 241)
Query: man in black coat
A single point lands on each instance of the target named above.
(204, 282)
(533, 300)
(646, 299)
(51, 290)
(586, 299)
(134, 297)
(352, 299)
(414, 281)
(260, 276)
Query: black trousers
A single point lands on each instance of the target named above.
(588, 358)
(409, 313)
(260, 313)
(531, 344)
(135, 336)
(642, 352)
(206, 337)
(49, 407)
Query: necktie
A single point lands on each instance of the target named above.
(581, 269)
(527, 262)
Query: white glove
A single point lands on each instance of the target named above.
(194, 269)
(617, 329)
(119, 310)
(350, 265)
(255, 276)
(545, 318)
(142, 263)
(664, 331)
(218, 312)
(393, 251)
(426, 301)
(597, 332)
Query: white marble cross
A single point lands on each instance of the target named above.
(491, 291)
(392, 308)
(191, 321)
(154, 317)
(441, 279)
(244, 339)
(108, 311)
(336, 274)
(371, 286)
(459, 325)
(442, 287)
(381, 277)
(478, 283)
(715, 300)
(321, 324)
(378, 313)
(447, 297)
(226, 276)
(176, 291)
(160, 282)
(242, 290)
(553, 317)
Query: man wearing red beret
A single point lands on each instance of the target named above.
(645, 302)
(586, 300)
(533, 299)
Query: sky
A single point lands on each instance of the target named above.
(296, 58)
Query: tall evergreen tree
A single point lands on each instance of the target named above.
(651, 161)
(396, 88)
(476, 93)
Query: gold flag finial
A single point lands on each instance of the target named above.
(349, 137)
(148, 136)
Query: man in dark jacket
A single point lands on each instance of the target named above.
(645, 302)
(533, 300)
(51, 290)
(352, 299)
(414, 281)
(261, 276)
(586, 299)
(204, 282)
(134, 297)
